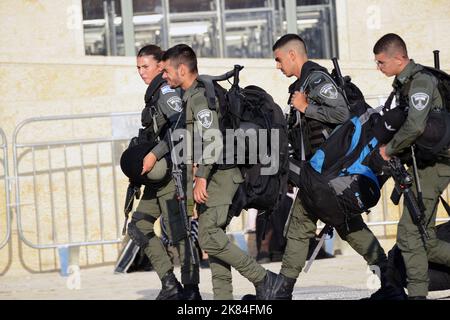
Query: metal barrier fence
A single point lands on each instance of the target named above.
(5, 232)
(67, 188)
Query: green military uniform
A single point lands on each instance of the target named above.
(326, 108)
(303, 227)
(161, 199)
(222, 185)
(418, 92)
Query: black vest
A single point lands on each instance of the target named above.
(313, 130)
(151, 98)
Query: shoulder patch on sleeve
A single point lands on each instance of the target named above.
(175, 103)
(329, 91)
(420, 100)
(205, 117)
(166, 89)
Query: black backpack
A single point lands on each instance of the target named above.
(353, 96)
(251, 108)
(436, 136)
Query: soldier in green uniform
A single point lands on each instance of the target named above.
(214, 186)
(416, 92)
(163, 108)
(323, 108)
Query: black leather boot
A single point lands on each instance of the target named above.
(171, 288)
(191, 292)
(283, 288)
(389, 293)
(417, 298)
(391, 286)
(264, 287)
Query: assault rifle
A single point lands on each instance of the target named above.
(177, 175)
(403, 182)
(340, 79)
(133, 191)
(437, 65)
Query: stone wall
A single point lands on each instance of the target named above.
(43, 72)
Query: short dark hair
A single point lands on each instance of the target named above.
(286, 39)
(151, 50)
(182, 54)
(388, 42)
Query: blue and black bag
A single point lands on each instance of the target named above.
(344, 177)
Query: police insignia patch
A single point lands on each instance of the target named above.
(166, 89)
(420, 100)
(205, 118)
(175, 103)
(329, 91)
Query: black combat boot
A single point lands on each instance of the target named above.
(391, 286)
(191, 292)
(417, 298)
(389, 293)
(171, 288)
(283, 288)
(264, 287)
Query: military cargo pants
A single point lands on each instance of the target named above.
(303, 227)
(434, 180)
(153, 204)
(223, 254)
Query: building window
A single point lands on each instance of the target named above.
(102, 27)
(316, 24)
(148, 23)
(214, 28)
(197, 25)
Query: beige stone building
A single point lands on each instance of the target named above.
(49, 68)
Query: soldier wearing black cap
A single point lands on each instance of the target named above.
(148, 163)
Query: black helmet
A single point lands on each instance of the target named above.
(388, 124)
(131, 165)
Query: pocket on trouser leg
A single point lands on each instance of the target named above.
(443, 170)
(174, 221)
(408, 237)
(302, 225)
(177, 228)
(212, 237)
(434, 180)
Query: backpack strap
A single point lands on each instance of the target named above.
(151, 97)
(154, 87)
(366, 115)
(407, 84)
(207, 82)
